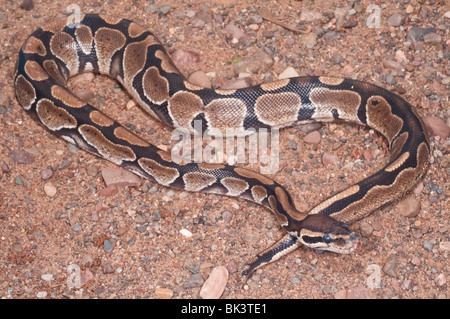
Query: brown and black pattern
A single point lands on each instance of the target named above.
(127, 52)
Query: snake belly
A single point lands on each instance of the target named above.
(127, 52)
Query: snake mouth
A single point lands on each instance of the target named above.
(344, 246)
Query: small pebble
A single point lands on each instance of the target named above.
(312, 138)
(330, 159)
(391, 265)
(41, 294)
(309, 40)
(164, 9)
(107, 246)
(119, 177)
(436, 126)
(186, 233)
(47, 277)
(49, 189)
(27, 5)
(260, 61)
(396, 20)
(163, 293)
(428, 245)
(409, 207)
(196, 280)
(200, 78)
(214, 286)
(289, 72)
(46, 173)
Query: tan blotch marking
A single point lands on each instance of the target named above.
(196, 181)
(109, 19)
(272, 86)
(52, 69)
(63, 46)
(345, 193)
(165, 155)
(398, 162)
(162, 174)
(382, 194)
(156, 87)
(282, 220)
(398, 144)
(210, 166)
(107, 42)
(250, 174)
(183, 107)
(56, 25)
(226, 113)
(85, 38)
(344, 101)
(135, 56)
(381, 118)
(100, 119)
(192, 87)
(34, 46)
(114, 152)
(135, 30)
(328, 80)
(128, 136)
(54, 117)
(288, 208)
(278, 109)
(66, 97)
(259, 193)
(166, 62)
(235, 186)
(225, 92)
(25, 92)
(35, 71)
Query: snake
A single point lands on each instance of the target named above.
(129, 53)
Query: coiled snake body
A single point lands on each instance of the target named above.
(127, 52)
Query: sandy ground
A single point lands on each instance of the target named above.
(83, 242)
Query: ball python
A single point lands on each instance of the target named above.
(127, 52)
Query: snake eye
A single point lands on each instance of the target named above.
(327, 239)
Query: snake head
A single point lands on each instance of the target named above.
(322, 232)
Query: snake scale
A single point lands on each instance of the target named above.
(127, 52)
